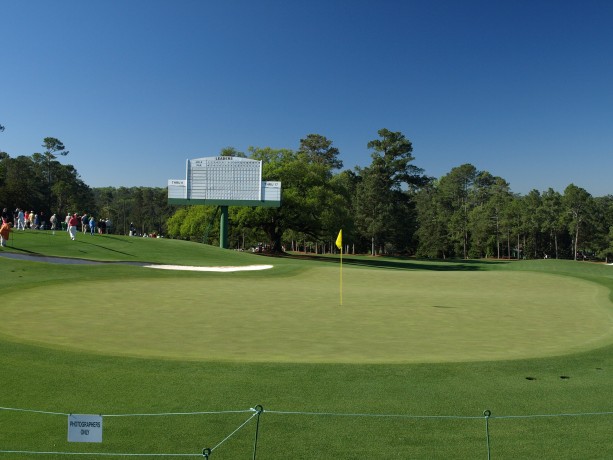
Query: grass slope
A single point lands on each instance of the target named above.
(114, 248)
(57, 378)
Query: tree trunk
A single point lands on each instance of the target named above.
(576, 240)
(497, 239)
(509, 245)
(518, 246)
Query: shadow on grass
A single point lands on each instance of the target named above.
(53, 233)
(105, 248)
(400, 263)
(108, 236)
(19, 250)
(31, 256)
(80, 240)
(36, 257)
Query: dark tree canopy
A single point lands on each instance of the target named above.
(231, 152)
(392, 155)
(53, 146)
(24, 183)
(319, 149)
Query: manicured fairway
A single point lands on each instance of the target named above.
(388, 316)
(403, 369)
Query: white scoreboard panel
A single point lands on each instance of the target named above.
(224, 180)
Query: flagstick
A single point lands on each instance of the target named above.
(339, 244)
(341, 275)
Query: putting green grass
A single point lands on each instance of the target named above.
(387, 316)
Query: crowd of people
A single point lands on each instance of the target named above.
(26, 219)
(72, 223)
(85, 223)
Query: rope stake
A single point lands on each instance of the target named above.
(259, 409)
(487, 414)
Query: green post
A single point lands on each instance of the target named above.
(223, 228)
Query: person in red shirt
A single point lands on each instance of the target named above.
(72, 226)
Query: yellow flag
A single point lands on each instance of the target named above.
(339, 239)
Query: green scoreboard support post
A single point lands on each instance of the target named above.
(223, 228)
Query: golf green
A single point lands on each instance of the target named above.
(387, 316)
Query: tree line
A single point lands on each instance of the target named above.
(388, 207)
(471, 214)
(392, 207)
(41, 183)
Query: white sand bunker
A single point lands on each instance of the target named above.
(210, 269)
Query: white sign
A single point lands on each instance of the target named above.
(224, 178)
(224, 181)
(84, 428)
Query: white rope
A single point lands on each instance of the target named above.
(460, 417)
(578, 414)
(326, 414)
(334, 414)
(163, 414)
(235, 431)
(107, 454)
(34, 411)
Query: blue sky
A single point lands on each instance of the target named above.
(522, 89)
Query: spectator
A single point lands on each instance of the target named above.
(5, 230)
(72, 226)
(53, 220)
(84, 222)
(21, 220)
